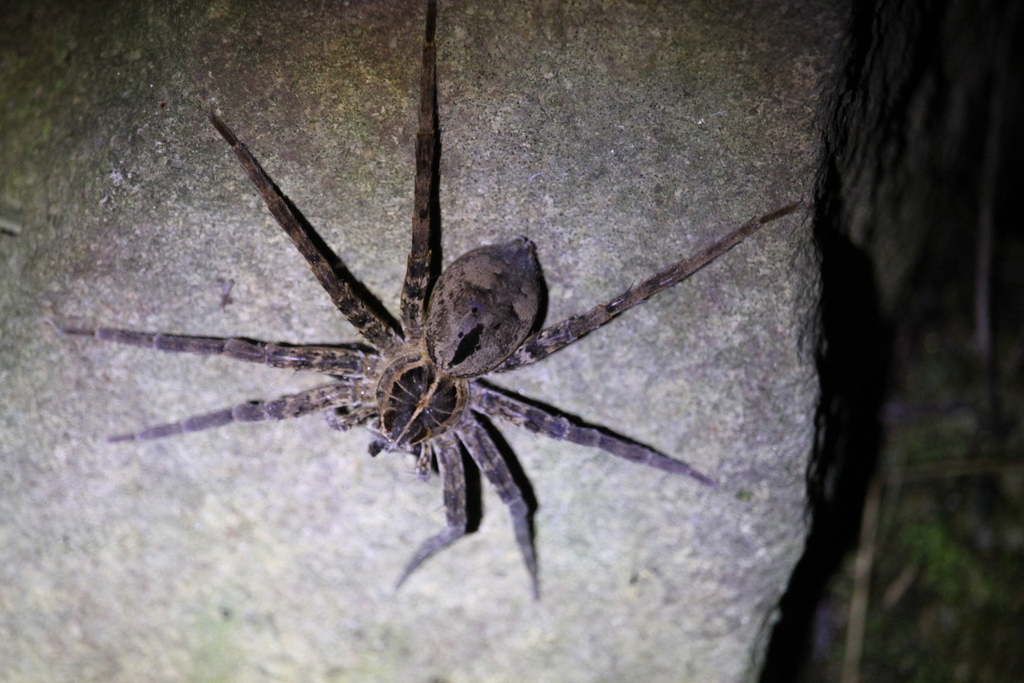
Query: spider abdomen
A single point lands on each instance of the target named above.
(483, 308)
(416, 402)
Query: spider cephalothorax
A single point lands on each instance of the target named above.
(420, 388)
(482, 309)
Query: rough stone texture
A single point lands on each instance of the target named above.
(618, 137)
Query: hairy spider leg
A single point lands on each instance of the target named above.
(324, 397)
(338, 285)
(352, 416)
(348, 364)
(560, 335)
(449, 460)
(332, 360)
(417, 273)
(488, 458)
(546, 421)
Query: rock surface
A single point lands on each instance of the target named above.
(618, 137)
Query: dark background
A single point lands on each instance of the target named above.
(913, 569)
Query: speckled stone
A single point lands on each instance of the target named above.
(619, 137)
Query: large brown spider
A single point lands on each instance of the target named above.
(420, 388)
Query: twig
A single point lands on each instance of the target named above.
(986, 218)
(862, 583)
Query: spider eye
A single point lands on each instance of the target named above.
(483, 308)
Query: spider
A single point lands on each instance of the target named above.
(421, 387)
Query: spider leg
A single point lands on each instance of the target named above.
(449, 458)
(336, 360)
(545, 421)
(294, 405)
(558, 336)
(338, 285)
(345, 418)
(488, 458)
(417, 273)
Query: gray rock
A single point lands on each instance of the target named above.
(618, 137)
